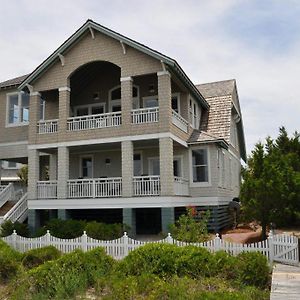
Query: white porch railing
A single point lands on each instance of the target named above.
(144, 115)
(47, 126)
(111, 119)
(47, 189)
(146, 185)
(179, 121)
(181, 186)
(18, 212)
(95, 188)
(6, 193)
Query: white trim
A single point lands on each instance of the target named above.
(35, 94)
(199, 184)
(80, 164)
(160, 73)
(128, 78)
(123, 47)
(92, 32)
(64, 88)
(62, 59)
(127, 202)
(14, 143)
(150, 136)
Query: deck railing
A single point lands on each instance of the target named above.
(47, 126)
(146, 185)
(111, 119)
(181, 186)
(144, 115)
(47, 189)
(95, 188)
(179, 121)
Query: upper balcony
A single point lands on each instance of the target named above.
(96, 103)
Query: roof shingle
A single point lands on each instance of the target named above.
(12, 82)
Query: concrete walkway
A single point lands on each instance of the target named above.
(285, 282)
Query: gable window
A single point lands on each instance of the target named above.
(200, 166)
(17, 109)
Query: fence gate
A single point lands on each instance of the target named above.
(285, 249)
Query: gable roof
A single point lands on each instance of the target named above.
(217, 122)
(12, 82)
(170, 63)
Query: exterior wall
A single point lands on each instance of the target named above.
(101, 48)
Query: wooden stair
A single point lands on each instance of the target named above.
(6, 207)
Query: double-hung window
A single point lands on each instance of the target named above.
(199, 166)
(17, 109)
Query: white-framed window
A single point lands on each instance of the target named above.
(86, 166)
(89, 109)
(199, 166)
(137, 164)
(42, 109)
(10, 164)
(17, 109)
(195, 113)
(152, 101)
(115, 98)
(154, 166)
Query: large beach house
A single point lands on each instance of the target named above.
(115, 131)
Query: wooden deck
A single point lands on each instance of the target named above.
(285, 282)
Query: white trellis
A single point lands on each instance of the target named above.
(281, 248)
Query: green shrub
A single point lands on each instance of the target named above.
(36, 257)
(64, 229)
(253, 269)
(70, 274)
(10, 264)
(102, 231)
(8, 227)
(191, 227)
(225, 265)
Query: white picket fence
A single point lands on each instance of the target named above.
(281, 248)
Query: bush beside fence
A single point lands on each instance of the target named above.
(281, 248)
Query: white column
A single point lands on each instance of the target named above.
(127, 168)
(62, 172)
(33, 173)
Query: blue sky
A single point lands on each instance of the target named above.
(255, 42)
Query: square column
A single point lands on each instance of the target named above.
(52, 167)
(63, 110)
(127, 168)
(166, 166)
(34, 221)
(164, 100)
(126, 100)
(62, 214)
(129, 218)
(62, 172)
(34, 116)
(33, 173)
(167, 218)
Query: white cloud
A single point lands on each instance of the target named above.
(193, 32)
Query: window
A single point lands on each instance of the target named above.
(115, 98)
(12, 165)
(137, 164)
(177, 167)
(176, 103)
(87, 167)
(92, 109)
(42, 109)
(195, 114)
(17, 108)
(150, 102)
(200, 165)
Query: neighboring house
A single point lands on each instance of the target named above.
(115, 131)
(8, 172)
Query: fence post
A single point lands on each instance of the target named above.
(125, 244)
(217, 241)
(169, 239)
(271, 246)
(14, 240)
(84, 242)
(48, 238)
